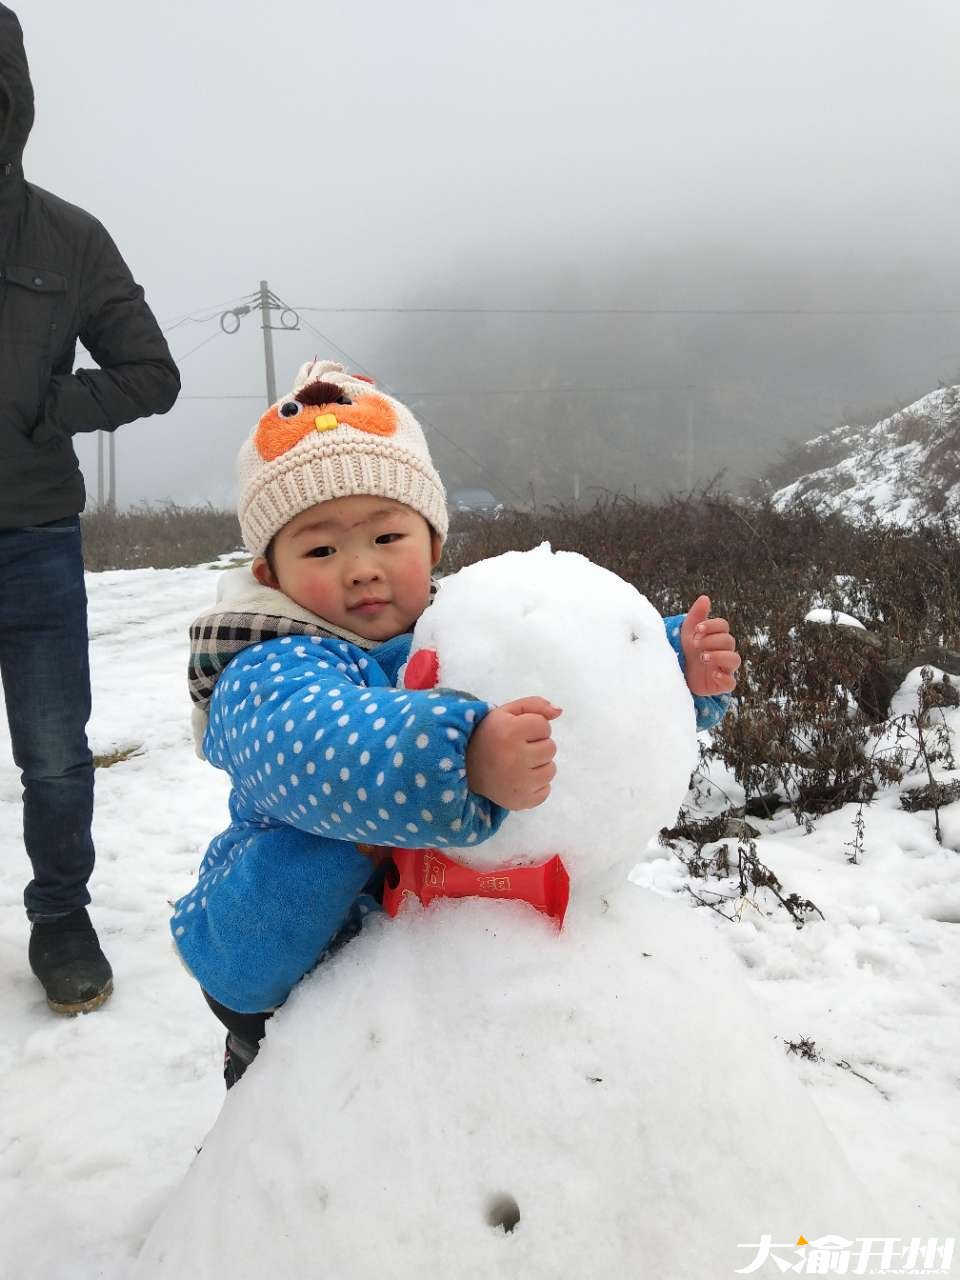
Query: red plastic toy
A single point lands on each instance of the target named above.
(426, 874)
(422, 670)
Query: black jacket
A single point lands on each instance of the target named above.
(61, 278)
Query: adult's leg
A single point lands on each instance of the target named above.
(46, 680)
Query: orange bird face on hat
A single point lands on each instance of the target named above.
(320, 406)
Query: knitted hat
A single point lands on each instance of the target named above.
(334, 436)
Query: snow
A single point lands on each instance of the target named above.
(102, 1116)
(556, 625)
(874, 985)
(834, 616)
(882, 476)
(467, 1054)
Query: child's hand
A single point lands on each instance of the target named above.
(510, 754)
(709, 651)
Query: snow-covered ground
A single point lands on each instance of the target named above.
(101, 1116)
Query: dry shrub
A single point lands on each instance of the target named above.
(910, 428)
(798, 731)
(157, 536)
(801, 460)
(943, 456)
(724, 883)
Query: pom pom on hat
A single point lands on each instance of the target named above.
(334, 436)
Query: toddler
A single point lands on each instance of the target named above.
(296, 680)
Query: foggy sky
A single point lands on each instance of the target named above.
(689, 157)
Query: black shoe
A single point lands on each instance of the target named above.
(238, 1054)
(65, 955)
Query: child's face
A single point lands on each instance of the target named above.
(362, 563)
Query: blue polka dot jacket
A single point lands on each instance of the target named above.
(325, 753)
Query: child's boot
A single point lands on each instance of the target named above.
(238, 1054)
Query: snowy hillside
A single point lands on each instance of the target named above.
(903, 469)
(101, 1116)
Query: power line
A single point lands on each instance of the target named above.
(340, 351)
(480, 392)
(638, 311)
(195, 317)
(433, 427)
(268, 300)
(180, 359)
(575, 390)
(203, 315)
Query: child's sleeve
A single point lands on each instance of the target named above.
(710, 708)
(308, 743)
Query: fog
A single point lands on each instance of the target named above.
(608, 246)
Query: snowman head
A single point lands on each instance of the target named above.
(557, 625)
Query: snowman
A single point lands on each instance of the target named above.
(551, 1073)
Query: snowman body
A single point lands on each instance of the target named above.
(557, 625)
(467, 1091)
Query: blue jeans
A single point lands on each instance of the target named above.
(46, 684)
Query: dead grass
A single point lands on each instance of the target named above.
(110, 758)
(157, 536)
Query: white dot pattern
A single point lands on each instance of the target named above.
(335, 754)
(322, 751)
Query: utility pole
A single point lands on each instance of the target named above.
(289, 320)
(111, 470)
(267, 342)
(689, 456)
